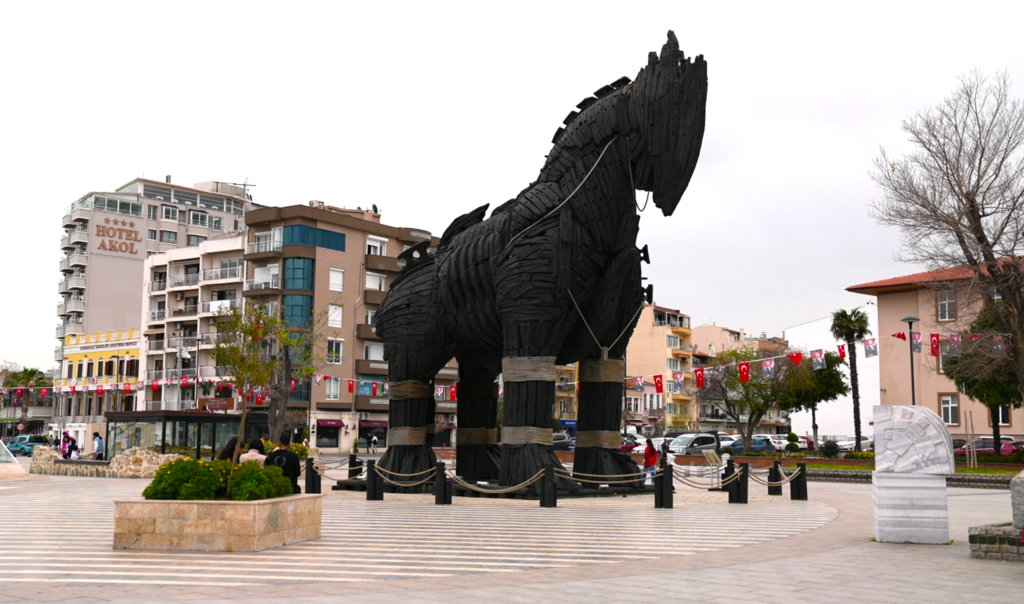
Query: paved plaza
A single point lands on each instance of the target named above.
(57, 539)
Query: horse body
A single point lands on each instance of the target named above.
(552, 276)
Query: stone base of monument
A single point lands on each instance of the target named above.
(996, 542)
(910, 508)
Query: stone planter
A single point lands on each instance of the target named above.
(222, 526)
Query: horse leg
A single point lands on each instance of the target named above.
(477, 457)
(598, 441)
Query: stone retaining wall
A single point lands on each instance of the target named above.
(133, 463)
(996, 542)
(970, 481)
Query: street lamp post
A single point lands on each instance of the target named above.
(182, 353)
(910, 340)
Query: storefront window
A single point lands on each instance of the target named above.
(326, 436)
(182, 438)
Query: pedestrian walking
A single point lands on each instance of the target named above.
(650, 459)
(373, 443)
(98, 447)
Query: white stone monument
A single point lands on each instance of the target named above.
(10, 469)
(913, 456)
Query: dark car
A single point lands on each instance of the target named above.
(561, 442)
(759, 445)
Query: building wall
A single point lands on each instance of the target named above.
(649, 354)
(711, 339)
(929, 383)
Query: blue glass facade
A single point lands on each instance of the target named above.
(298, 273)
(305, 235)
(298, 310)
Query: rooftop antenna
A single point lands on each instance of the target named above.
(245, 187)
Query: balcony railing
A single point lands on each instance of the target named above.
(158, 286)
(185, 311)
(157, 315)
(187, 280)
(174, 374)
(155, 374)
(184, 342)
(211, 339)
(156, 345)
(213, 371)
(219, 305)
(257, 284)
(214, 274)
(260, 247)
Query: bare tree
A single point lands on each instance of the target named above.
(958, 198)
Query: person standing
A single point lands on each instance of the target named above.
(98, 446)
(650, 460)
(373, 443)
(256, 452)
(287, 460)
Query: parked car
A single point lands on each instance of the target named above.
(758, 445)
(725, 439)
(561, 441)
(807, 443)
(23, 445)
(982, 446)
(692, 444)
(867, 443)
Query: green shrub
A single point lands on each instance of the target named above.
(250, 482)
(792, 447)
(189, 478)
(1016, 457)
(830, 449)
(859, 455)
(793, 438)
(798, 455)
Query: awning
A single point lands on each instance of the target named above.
(365, 423)
(569, 423)
(330, 423)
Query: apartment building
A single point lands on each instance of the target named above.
(712, 339)
(320, 258)
(566, 399)
(108, 236)
(661, 345)
(946, 304)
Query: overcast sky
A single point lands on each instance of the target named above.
(430, 109)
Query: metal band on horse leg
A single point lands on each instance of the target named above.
(592, 370)
(400, 391)
(476, 436)
(529, 369)
(603, 439)
(407, 436)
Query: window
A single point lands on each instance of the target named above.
(376, 281)
(371, 317)
(672, 341)
(298, 273)
(88, 369)
(297, 310)
(99, 369)
(334, 315)
(1003, 411)
(199, 219)
(81, 366)
(950, 404)
(71, 370)
(943, 356)
(334, 351)
(305, 235)
(373, 352)
(672, 364)
(216, 223)
(337, 280)
(194, 240)
(168, 237)
(947, 305)
(170, 213)
(376, 246)
(154, 212)
(151, 234)
(333, 388)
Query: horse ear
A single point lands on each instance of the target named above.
(671, 46)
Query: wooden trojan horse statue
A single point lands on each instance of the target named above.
(551, 278)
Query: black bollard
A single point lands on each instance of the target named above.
(374, 483)
(312, 477)
(741, 489)
(441, 493)
(548, 497)
(798, 486)
(667, 484)
(659, 490)
(355, 466)
(774, 475)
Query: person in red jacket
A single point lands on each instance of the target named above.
(650, 460)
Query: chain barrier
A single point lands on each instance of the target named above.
(473, 487)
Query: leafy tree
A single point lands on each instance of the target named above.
(808, 388)
(984, 373)
(850, 327)
(958, 197)
(28, 378)
(753, 399)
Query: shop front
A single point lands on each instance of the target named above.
(328, 433)
(191, 433)
(368, 428)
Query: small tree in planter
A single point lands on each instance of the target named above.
(792, 439)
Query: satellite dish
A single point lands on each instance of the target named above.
(375, 209)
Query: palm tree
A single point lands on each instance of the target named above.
(851, 327)
(29, 378)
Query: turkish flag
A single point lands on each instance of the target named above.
(934, 338)
(259, 399)
(351, 386)
(659, 384)
(99, 389)
(184, 381)
(375, 389)
(451, 394)
(18, 393)
(796, 357)
(900, 335)
(698, 377)
(293, 385)
(125, 387)
(43, 392)
(973, 337)
(156, 385)
(744, 372)
(842, 352)
(74, 390)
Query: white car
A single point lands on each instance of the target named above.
(848, 444)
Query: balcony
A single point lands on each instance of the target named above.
(222, 274)
(681, 352)
(183, 342)
(186, 280)
(254, 285)
(372, 403)
(211, 339)
(65, 264)
(263, 247)
(155, 374)
(157, 286)
(218, 306)
(384, 263)
(372, 296)
(409, 235)
(58, 354)
(79, 259)
(213, 371)
(155, 345)
(448, 373)
(78, 236)
(176, 374)
(157, 315)
(77, 214)
(371, 367)
(367, 332)
(182, 312)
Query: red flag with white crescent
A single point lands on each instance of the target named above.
(744, 372)
(293, 385)
(18, 393)
(259, 399)
(796, 357)
(934, 339)
(351, 386)
(698, 377)
(659, 384)
(156, 385)
(99, 389)
(374, 389)
(44, 392)
(451, 394)
(842, 352)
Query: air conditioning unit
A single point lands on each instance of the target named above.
(364, 415)
(178, 295)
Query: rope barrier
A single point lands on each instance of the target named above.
(404, 485)
(473, 487)
(769, 483)
(715, 484)
(399, 474)
(637, 479)
(566, 473)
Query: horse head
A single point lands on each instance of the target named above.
(666, 108)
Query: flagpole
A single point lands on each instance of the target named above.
(910, 321)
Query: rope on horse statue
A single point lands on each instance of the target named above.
(473, 487)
